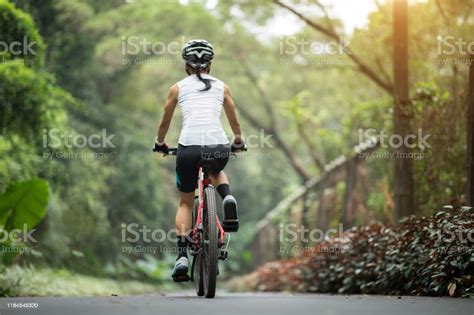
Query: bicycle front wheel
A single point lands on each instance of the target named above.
(210, 248)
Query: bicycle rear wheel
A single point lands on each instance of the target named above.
(210, 248)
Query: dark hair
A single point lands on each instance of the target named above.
(207, 82)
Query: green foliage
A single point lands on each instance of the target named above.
(84, 86)
(435, 111)
(24, 203)
(24, 97)
(17, 26)
(18, 281)
(22, 207)
(422, 256)
(148, 268)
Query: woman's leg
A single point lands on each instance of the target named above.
(219, 178)
(183, 226)
(184, 213)
(221, 182)
(229, 204)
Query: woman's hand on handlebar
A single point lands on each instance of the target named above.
(160, 147)
(238, 146)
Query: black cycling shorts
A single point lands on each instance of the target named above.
(187, 160)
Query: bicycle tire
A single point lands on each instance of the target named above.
(210, 248)
(197, 261)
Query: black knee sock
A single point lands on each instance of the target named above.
(182, 246)
(223, 190)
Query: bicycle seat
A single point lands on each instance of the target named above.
(209, 163)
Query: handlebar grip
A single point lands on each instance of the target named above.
(170, 151)
(234, 149)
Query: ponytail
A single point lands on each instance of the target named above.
(207, 82)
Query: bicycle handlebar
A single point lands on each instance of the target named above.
(174, 151)
(242, 149)
(171, 151)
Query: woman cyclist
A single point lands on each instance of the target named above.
(200, 98)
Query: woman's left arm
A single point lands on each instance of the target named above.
(168, 111)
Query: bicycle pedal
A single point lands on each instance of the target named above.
(223, 255)
(230, 225)
(181, 278)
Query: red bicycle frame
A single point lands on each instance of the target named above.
(204, 182)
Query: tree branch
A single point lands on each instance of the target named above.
(364, 68)
(265, 100)
(326, 16)
(312, 150)
(293, 159)
(382, 70)
(443, 15)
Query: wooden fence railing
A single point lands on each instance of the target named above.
(310, 204)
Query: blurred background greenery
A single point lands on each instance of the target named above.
(78, 82)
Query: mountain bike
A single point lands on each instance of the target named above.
(208, 236)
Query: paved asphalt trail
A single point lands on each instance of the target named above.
(243, 303)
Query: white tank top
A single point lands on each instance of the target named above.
(201, 111)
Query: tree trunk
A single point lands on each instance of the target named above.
(403, 170)
(322, 220)
(470, 135)
(348, 210)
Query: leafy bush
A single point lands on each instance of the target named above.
(28, 281)
(29, 100)
(18, 26)
(422, 256)
(22, 205)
